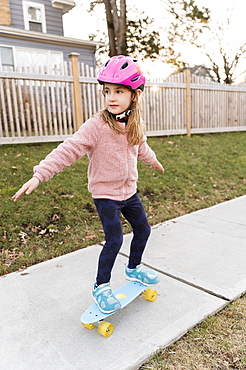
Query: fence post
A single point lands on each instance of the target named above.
(76, 89)
(188, 101)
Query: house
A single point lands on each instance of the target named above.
(202, 71)
(31, 34)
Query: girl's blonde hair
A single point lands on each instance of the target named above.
(135, 127)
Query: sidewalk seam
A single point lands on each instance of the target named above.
(210, 292)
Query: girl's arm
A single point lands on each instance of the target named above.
(27, 188)
(72, 149)
(65, 154)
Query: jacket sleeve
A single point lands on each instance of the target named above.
(145, 153)
(68, 152)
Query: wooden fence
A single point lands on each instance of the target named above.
(37, 106)
(188, 104)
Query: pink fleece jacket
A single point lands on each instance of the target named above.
(112, 171)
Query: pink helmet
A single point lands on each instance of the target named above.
(122, 70)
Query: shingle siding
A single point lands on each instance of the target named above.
(17, 14)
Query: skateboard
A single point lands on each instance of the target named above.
(125, 294)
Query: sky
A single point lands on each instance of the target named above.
(78, 23)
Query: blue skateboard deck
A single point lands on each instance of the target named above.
(125, 294)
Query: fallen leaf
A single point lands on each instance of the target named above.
(151, 209)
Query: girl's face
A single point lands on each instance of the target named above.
(117, 98)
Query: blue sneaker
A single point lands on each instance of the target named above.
(105, 298)
(140, 274)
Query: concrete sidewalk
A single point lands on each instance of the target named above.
(201, 259)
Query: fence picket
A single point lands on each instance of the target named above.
(15, 108)
(42, 104)
(4, 110)
(68, 100)
(84, 96)
(21, 107)
(33, 107)
(37, 105)
(27, 107)
(10, 108)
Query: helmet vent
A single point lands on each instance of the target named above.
(135, 78)
(124, 66)
(105, 65)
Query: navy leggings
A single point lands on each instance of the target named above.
(109, 213)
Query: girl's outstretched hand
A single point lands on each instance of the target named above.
(27, 188)
(157, 166)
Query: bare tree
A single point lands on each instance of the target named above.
(126, 36)
(224, 60)
(224, 70)
(188, 24)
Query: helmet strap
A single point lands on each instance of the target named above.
(122, 117)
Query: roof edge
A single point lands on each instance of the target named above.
(39, 36)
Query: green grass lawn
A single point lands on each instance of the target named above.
(60, 216)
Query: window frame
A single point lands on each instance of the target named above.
(13, 55)
(25, 5)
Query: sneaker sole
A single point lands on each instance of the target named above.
(140, 281)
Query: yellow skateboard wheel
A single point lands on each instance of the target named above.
(88, 326)
(105, 329)
(150, 294)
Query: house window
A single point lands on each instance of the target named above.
(35, 58)
(6, 58)
(13, 57)
(34, 16)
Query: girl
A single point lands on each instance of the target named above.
(114, 140)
